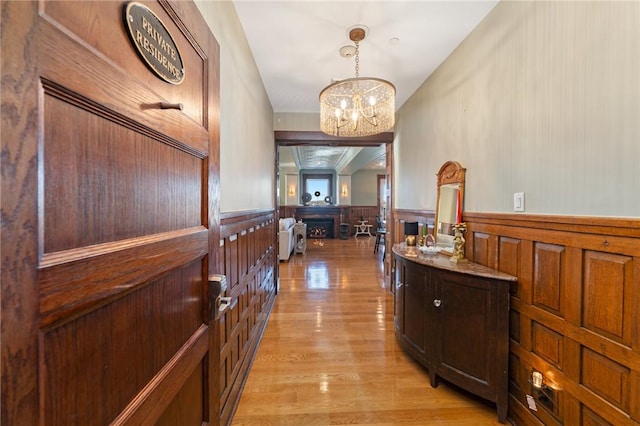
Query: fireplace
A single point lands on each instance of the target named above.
(319, 227)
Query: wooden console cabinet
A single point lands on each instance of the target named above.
(454, 320)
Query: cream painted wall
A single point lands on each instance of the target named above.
(247, 153)
(364, 187)
(542, 98)
(300, 121)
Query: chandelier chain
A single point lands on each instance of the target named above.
(360, 106)
(357, 59)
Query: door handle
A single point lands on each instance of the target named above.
(222, 304)
(217, 286)
(437, 303)
(169, 105)
(163, 105)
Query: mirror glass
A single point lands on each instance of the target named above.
(449, 203)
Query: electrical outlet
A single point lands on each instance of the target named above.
(518, 202)
(532, 403)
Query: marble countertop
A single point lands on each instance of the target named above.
(442, 261)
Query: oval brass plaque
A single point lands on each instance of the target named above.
(154, 43)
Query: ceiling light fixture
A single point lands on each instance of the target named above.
(360, 106)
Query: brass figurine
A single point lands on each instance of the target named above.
(458, 242)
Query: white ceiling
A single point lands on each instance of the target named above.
(296, 43)
(344, 161)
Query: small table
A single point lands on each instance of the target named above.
(363, 229)
(344, 231)
(300, 238)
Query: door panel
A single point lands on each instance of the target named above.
(415, 293)
(94, 42)
(176, 414)
(91, 169)
(119, 346)
(467, 319)
(128, 224)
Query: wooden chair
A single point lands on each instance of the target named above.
(381, 235)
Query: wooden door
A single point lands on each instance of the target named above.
(109, 219)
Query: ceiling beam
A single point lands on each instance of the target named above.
(287, 138)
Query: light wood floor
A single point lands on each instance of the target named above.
(329, 355)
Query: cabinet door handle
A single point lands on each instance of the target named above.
(437, 303)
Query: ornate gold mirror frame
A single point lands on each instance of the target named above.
(449, 202)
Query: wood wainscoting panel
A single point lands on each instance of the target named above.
(607, 280)
(253, 241)
(231, 260)
(574, 314)
(590, 418)
(243, 253)
(351, 215)
(548, 278)
(396, 224)
(606, 378)
(515, 373)
(482, 248)
(547, 344)
(250, 263)
(514, 325)
(509, 260)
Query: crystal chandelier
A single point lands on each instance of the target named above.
(360, 106)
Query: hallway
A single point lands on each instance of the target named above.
(329, 354)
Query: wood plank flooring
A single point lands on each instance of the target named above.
(329, 355)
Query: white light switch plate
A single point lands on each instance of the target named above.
(518, 202)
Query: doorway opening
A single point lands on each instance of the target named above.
(316, 150)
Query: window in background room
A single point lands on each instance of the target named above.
(322, 183)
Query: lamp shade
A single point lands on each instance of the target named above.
(411, 228)
(357, 107)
